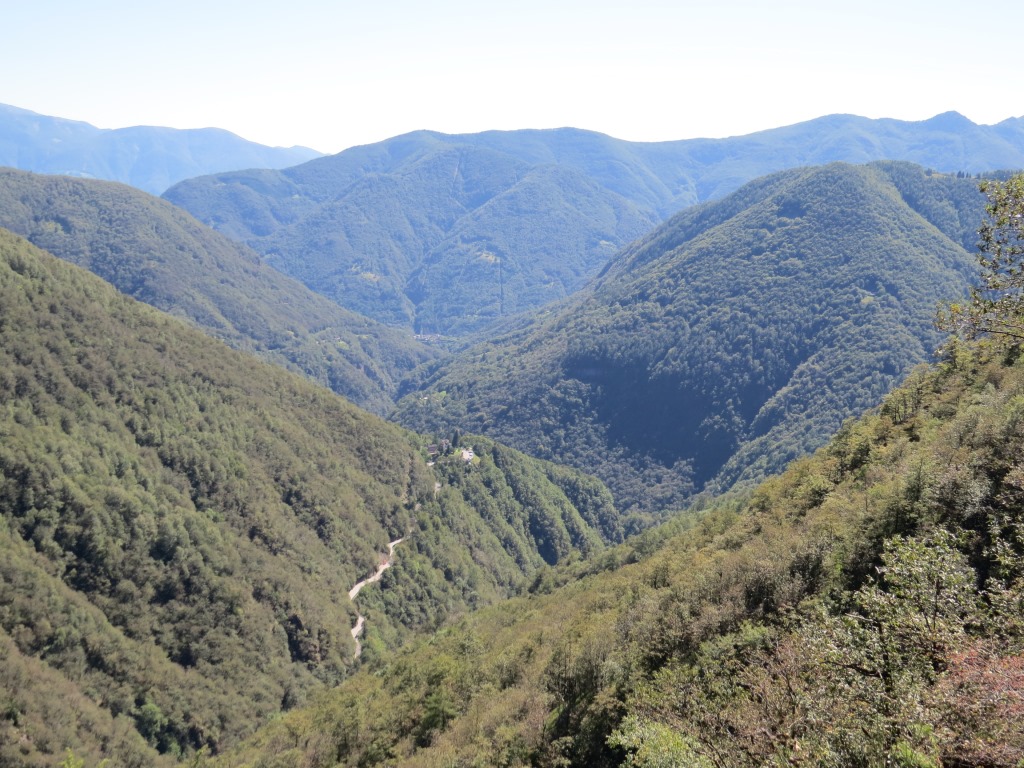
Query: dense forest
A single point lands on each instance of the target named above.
(154, 252)
(863, 608)
(181, 524)
(735, 498)
(730, 340)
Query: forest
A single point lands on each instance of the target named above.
(734, 338)
(181, 524)
(155, 253)
(690, 465)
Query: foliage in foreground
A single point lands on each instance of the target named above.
(996, 306)
(863, 608)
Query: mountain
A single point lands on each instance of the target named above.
(425, 230)
(154, 252)
(447, 234)
(181, 523)
(149, 158)
(863, 608)
(735, 337)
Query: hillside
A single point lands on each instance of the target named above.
(727, 342)
(863, 608)
(425, 230)
(147, 157)
(154, 252)
(180, 525)
(446, 234)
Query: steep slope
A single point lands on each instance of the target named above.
(152, 251)
(149, 158)
(864, 608)
(735, 337)
(447, 233)
(180, 525)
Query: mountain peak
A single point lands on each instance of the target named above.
(949, 121)
(149, 158)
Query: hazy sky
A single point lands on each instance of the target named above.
(330, 75)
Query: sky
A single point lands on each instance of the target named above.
(330, 75)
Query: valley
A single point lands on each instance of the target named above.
(727, 342)
(193, 516)
(790, 626)
(521, 448)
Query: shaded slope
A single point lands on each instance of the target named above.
(149, 158)
(730, 340)
(150, 250)
(180, 524)
(446, 233)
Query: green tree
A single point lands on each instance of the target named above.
(438, 710)
(651, 744)
(878, 661)
(996, 305)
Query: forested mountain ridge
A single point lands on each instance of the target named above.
(862, 608)
(147, 157)
(425, 230)
(180, 524)
(449, 233)
(732, 339)
(156, 253)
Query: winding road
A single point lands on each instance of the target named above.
(357, 630)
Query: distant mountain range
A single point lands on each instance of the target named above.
(150, 158)
(447, 234)
(735, 337)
